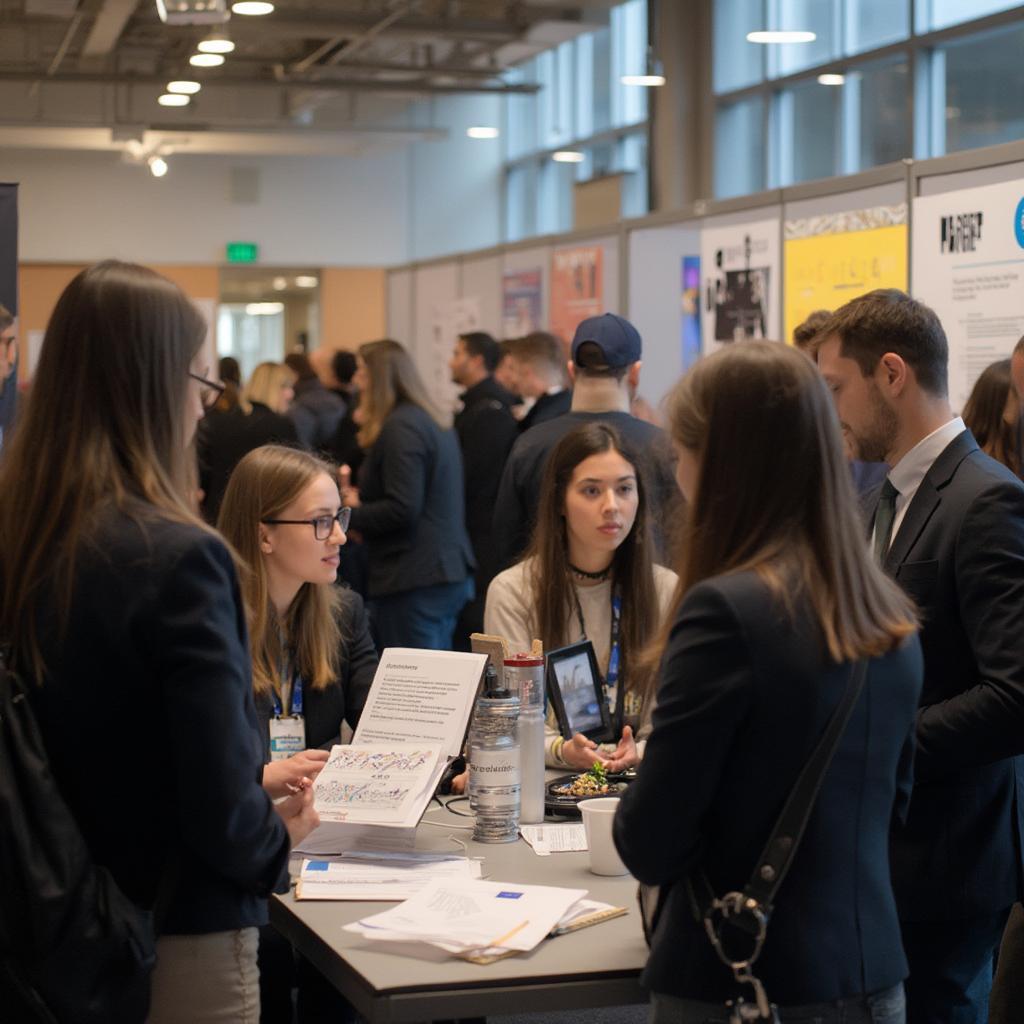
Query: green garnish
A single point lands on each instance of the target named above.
(599, 774)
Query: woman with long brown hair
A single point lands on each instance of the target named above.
(409, 505)
(312, 655)
(588, 574)
(778, 602)
(124, 608)
(992, 414)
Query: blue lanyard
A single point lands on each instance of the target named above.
(611, 677)
(295, 704)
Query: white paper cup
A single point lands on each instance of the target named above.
(598, 815)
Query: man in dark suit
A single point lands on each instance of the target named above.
(948, 525)
(605, 370)
(540, 377)
(487, 430)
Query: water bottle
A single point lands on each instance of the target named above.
(524, 677)
(494, 763)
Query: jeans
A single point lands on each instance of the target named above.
(424, 617)
(886, 1007)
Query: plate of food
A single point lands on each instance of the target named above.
(564, 794)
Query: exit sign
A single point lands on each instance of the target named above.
(243, 252)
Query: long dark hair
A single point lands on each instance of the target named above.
(551, 583)
(105, 422)
(774, 495)
(984, 414)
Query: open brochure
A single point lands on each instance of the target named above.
(413, 724)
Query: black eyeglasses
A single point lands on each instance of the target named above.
(323, 526)
(210, 390)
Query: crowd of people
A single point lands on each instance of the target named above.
(212, 565)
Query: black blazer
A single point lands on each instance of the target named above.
(746, 692)
(324, 710)
(411, 510)
(959, 553)
(487, 430)
(547, 407)
(148, 717)
(223, 438)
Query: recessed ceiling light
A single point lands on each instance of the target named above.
(568, 156)
(253, 7)
(305, 281)
(781, 37)
(206, 60)
(173, 99)
(650, 81)
(157, 166)
(264, 308)
(186, 88)
(482, 132)
(280, 283)
(831, 79)
(216, 46)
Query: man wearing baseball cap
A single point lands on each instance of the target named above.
(605, 371)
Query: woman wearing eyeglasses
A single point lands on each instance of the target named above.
(313, 658)
(123, 611)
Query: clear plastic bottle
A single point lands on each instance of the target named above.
(494, 763)
(524, 677)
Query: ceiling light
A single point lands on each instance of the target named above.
(568, 156)
(831, 79)
(253, 7)
(653, 76)
(173, 99)
(264, 308)
(206, 60)
(157, 166)
(305, 281)
(216, 44)
(482, 132)
(781, 37)
(280, 283)
(185, 87)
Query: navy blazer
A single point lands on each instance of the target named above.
(959, 553)
(746, 692)
(411, 510)
(147, 713)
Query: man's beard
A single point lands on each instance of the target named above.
(879, 436)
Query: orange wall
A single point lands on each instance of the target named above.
(353, 306)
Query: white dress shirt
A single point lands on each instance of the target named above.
(907, 474)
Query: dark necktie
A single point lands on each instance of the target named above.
(884, 516)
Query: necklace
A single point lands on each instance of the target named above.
(603, 574)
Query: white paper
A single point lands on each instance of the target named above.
(421, 697)
(376, 785)
(379, 876)
(560, 838)
(473, 916)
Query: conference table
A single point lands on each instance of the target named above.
(385, 982)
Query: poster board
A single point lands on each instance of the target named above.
(968, 265)
(522, 302)
(480, 278)
(834, 257)
(435, 292)
(739, 265)
(577, 288)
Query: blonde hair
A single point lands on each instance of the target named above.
(263, 484)
(792, 518)
(265, 385)
(392, 378)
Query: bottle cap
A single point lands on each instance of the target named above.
(525, 659)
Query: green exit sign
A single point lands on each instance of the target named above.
(243, 252)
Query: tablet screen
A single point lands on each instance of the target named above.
(579, 694)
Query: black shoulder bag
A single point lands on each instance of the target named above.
(747, 913)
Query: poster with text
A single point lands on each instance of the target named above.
(740, 271)
(577, 288)
(449, 320)
(690, 311)
(968, 265)
(522, 302)
(832, 258)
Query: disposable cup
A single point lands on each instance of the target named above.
(598, 815)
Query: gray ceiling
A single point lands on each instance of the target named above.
(328, 76)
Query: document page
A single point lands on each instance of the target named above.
(563, 837)
(378, 877)
(377, 785)
(421, 697)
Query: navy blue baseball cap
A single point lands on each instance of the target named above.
(615, 336)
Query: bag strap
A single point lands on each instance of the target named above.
(777, 854)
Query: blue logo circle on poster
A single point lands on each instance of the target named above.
(1018, 223)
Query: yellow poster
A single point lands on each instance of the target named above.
(825, 267)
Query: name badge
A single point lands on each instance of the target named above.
(287, 736)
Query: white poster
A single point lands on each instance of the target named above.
(968, 265)
(740, 282)
(450, 319)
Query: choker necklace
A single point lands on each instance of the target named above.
(584, 575)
